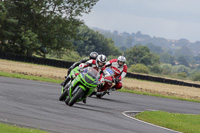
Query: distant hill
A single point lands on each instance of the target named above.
(125, 40)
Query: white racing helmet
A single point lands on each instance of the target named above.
(101, 58)
(121, 59)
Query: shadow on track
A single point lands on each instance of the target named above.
(103, 110)
(110, 100)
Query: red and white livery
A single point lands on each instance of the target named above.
(120, 70)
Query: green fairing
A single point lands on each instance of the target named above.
(85, 80)
(75, 70)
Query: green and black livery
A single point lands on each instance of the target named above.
(81, 86)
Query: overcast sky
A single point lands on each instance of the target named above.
(171, 19)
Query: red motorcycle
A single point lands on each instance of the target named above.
(105, 85)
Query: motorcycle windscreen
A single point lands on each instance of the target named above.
(108, 72)
(91, 75)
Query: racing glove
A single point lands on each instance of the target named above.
(116, 80)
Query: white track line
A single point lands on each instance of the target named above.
(125, 113)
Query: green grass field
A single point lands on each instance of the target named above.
(5, 128)
(186, 123)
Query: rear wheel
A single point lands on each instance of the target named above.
(93, 93)
(100, 95)
(76, 96)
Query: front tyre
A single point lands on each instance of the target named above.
(63, 95)
(67, 100)
(76, 97)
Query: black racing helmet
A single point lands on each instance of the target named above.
(93, 55)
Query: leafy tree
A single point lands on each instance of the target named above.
(139, 68)
(197, 59)
(8, 28)
(155, 68)
(72, 56)
(167, 58)
(166, 68)
(51, 25)
(155, 49)
(89, 41)
(129, 41)
(186, 53)
(141, 55)
(123, 48)
(112, 57)
(2, 13)
(182, 61)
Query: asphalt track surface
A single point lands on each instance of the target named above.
(35, 104)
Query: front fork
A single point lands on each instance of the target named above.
(66, 87)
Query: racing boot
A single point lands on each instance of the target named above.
(65, 81)
(111, 90)
(84, 100)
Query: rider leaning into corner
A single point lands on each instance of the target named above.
(120, 70)
(97, 64)
(93, 56)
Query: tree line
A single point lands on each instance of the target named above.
(48, 28)
(40, 27)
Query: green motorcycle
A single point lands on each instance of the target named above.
(81, 86)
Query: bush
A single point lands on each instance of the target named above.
(180, 69)
(72, 56)
(166, 69)
(183, 75)
(180, 75)
(196, 76)
(111, 57)
(155, 68)
(139, 68)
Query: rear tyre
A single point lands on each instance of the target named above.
(76, 97)
(93, 93)
(100, 95)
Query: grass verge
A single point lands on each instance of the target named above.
(29, 77)
(157, 95)
(5, 128)
(180, 122)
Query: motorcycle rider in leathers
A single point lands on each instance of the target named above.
(97, 64)
(93, 55)
(120, 70)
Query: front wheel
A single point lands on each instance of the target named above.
(63, 95)
(76, 97)
(67, 100)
